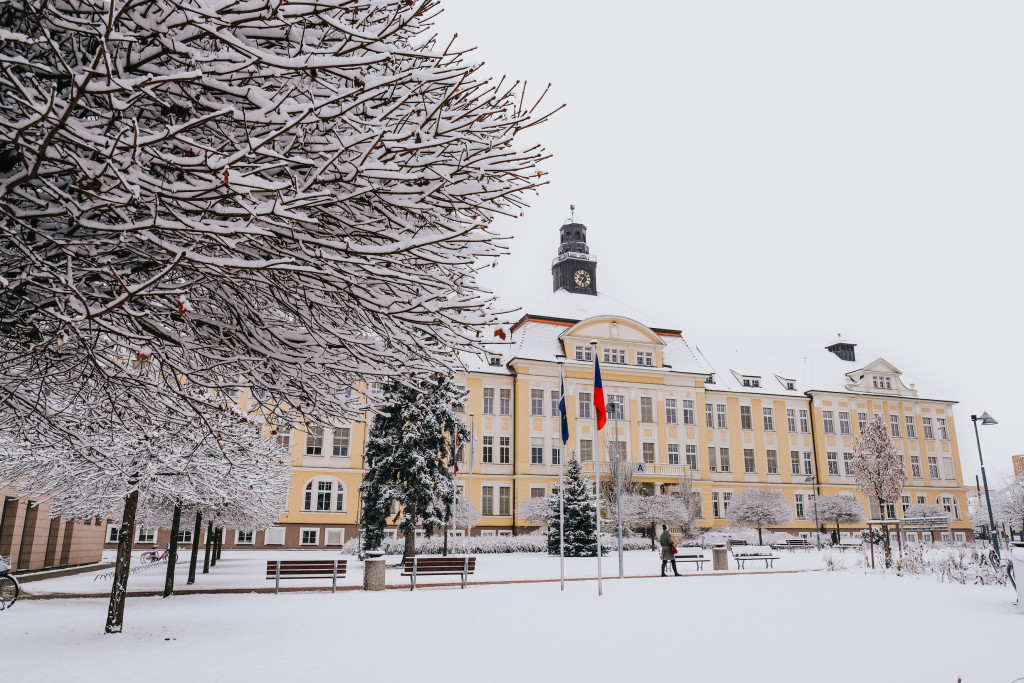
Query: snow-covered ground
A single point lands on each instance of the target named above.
(247, 569)
(807, 626)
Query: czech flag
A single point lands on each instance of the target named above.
(602, 415)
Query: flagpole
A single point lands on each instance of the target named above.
(597, 470)
(472, 459)
(561, 479)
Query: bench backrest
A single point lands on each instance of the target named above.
(454, 564)
(305, 569)
(690, 552)
(798, 541)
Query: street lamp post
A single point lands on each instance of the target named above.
(618, 487)
(817, 533)
(986, 419)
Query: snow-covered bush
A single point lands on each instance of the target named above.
(833, 563)
(535, 542)
(721, 535)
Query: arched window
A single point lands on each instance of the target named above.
(950, 505)
(324, 494)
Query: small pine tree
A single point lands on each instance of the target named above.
(578, 509)
(408, 458)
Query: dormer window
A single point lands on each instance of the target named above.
(584, 353)
(881, 382)
(645, 358)
(789, 384)
(751, 381)
(615, 356)
(494, 360)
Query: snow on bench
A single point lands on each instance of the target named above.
(695, 555)
(754, 552)
(793, 544)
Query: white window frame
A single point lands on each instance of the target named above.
(911, 427)
(791, 420)
(844, 422)
(314, 441)
(749, 461)
(926, 424)
(832, 459)
(311, 495)
(304, 530)
(772, 455)
(504, 402)
(536, 451)
(240, 540)
(768, 415)
(341, 439)
(894, 425)
(113, 532)
(721, 416)
(504, 450)
(270, 535)
(647, 409)
(689, 414)
(691, 457)
(746, 418)
(648, 450)
(488, 401)
(828, 422)
(487, 450)
(673, 453)
(940, 423)
(671, 413)
(334, 530)
(145, 535)
(585, 399)
(537, 402)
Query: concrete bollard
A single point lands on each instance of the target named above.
(373, 571)
(720, 559)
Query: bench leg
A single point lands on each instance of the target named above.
(334, 578)
(277, 578)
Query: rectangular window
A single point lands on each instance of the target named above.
(915, 466)
(712, 460)
(862, 421)
(584, 401)
(504, 501)
(773, 461)
(646, 409)
(830, 427)
(504, 450)
(243, 538)
(794, 461)
(947, 468)
(844, 422)
(808, 464)
(748, 461)
(894, 426)
(745, 421)
(673, 454)
(921, 500)
(799, 497)
(504, 401)
(113, 532)
(556, 398)
(556, 455)
(691, 456)
(848, 464)
(487, 455)
(791, 420)
(487, 501)
(926, 423)
(339, 447)
(185, 536)
(461, 406)
(648, 452)
(688, 412)
(904, 503)
(833, 462)
(488, 400)
(943, 431)
(616, 407)
(709, 411)
(537, 402)
(720, 413)
(537, 492)
(615, 356)
(285, 441)
(933, 467)
(309, 537)
(536, 451)
(584, 353)
(145, 535)
(769, 419)
(274, 536)
(805, 425)
(726, 497)
(723, 459)
(911, 427)
(715, 511)
(645, 358)
(334, 537)
(314, 440)
(670, 411)
(586, 450)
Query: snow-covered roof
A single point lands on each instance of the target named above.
(570, 306)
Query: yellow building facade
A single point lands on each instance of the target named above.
(723, 420)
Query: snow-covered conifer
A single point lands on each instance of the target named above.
(578, 510)
(759, 508)
(409, 455)
(879, 471)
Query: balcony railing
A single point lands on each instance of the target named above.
(641, 469)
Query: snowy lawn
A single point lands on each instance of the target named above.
(810, 626)
(247, 569)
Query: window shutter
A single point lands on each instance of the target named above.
(335, 537)
(274, 536)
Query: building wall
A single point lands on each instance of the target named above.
(33, 540)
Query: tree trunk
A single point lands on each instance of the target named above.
(444, 547)
(220, 541)
(209, 547)
(885, 535)
(760, 540)
(410, 536)
(196, 533)
(122, 565)
(172, 554)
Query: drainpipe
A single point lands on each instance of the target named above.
(515, 444)
(814, 447)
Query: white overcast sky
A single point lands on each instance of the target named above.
(769, 174)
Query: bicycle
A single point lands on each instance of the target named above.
(155, 555)
(9, 587)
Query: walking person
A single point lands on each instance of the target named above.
(668, 551)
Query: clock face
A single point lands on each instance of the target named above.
(582, 278)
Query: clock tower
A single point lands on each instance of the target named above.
(573, 269)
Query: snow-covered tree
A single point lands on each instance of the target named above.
(759, 507)
(409, 455)
(289, 196)
(578, 510)
(879, 471)
(643, 512)
(111, 463)
(537, 510)
(840, 509)
(1008, 505)
(926, 510)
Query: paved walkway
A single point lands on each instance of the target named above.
(26, 595)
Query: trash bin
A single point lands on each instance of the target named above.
(720, 558)
(373, 571)
(1017, 558)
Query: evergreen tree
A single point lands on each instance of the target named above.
(409, 455)
(580, 523)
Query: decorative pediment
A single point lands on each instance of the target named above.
(879, 377)
(613, 329)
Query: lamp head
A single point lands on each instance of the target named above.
(985, 419)
(593, 342)
(809, 480)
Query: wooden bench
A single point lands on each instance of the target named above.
(793, 544)
(438, 566)
(695, 555)
(848, 545)
(306, 569)
(745, 555)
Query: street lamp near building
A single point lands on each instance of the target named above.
(817, 530)
(986, 419)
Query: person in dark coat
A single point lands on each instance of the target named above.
(666, 551)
